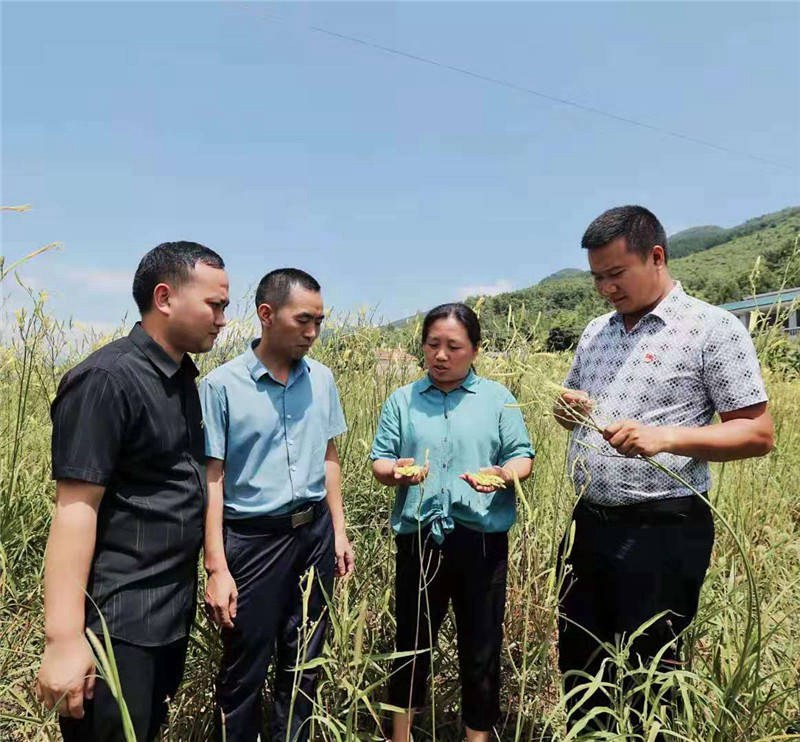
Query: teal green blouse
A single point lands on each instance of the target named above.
(470, 427)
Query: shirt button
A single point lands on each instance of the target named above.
(294, 468)
(289, 417)
(290, 442)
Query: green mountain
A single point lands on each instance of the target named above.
(713, 263)
(562, 274)
(695, 239)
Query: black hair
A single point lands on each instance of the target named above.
(639, 226)
(275, 287)
(172, 263)
(460, 312)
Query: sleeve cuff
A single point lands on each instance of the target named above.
(91, 476)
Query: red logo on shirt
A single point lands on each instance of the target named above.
(649, 358)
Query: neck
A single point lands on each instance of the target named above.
(447, 386)
(157, 331)
(631, 319)
(278, 364)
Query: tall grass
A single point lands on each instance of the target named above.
(741, 684)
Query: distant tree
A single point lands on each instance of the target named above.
(561, 338)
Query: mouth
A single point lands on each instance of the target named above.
(440, 368)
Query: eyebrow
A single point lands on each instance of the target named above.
(607, 270)
(309, 315)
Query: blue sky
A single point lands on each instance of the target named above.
(398, 184)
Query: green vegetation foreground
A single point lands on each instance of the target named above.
(745, 643)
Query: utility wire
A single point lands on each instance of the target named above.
(538, 93)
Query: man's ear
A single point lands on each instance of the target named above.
(659, 255)
(162, 294)
(265, 314)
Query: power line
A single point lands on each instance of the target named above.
(538, 93)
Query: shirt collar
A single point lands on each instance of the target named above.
(468, 384)
(158, 356)
(258, 370)
(667, 310)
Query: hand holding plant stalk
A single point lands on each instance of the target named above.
(632, 438)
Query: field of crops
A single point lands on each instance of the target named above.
(741, 684)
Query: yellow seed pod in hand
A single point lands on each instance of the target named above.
(412, 470)
(487, 479)
(409, 471)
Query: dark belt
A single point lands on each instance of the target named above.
(284, 522)
(671, 510)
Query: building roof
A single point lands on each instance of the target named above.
(760, 301)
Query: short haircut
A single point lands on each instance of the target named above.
(171, 263)
(275, 287)
(639, 226)
(461, 313)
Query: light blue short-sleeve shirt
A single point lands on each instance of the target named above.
(681, 363)
(272, 437)
(474, 426)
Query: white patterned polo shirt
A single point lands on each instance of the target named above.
(681, 363)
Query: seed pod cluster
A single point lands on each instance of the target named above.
(486, 479)
(412, 470)
(409, 471)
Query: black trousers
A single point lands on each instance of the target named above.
(628, 564)
(267, 567)
(149, 676)
(470, 569)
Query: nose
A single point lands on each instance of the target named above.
(606, 287)
(220, 320)
(440, 355)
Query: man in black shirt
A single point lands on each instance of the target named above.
(128, 460)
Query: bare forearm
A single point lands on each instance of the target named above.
(383, 471)
(724, 441)
(333, 487)
(214, 545)
(521, 466)
(68, 560)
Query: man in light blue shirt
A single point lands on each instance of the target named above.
(275, 509)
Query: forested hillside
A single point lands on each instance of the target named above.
(557, 308)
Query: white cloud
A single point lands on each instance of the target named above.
(102, 281)
(500, 286)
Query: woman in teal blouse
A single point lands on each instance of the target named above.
(451, 531)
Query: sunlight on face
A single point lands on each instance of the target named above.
(449, 353)
(297, 324)
(198, 309)
(631, 284)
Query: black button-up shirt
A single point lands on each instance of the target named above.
(128, 418)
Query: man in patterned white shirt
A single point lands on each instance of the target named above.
(651, 375)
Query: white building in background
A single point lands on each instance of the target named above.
(783, 306)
